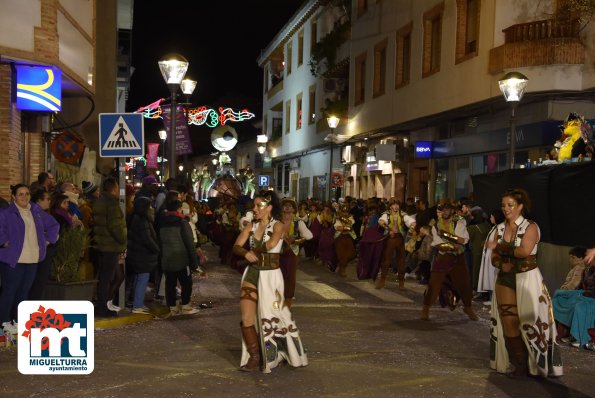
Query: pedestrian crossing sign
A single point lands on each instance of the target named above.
(121, 135)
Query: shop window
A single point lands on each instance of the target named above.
(467, 29)
(403, 56)
(441, 181)
(463, 178)
(432, 40)
(379, 68)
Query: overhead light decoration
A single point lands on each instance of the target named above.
(200, 115)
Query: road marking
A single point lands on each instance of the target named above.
(324, 290)
(383, 294)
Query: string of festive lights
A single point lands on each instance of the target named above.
(200, 115)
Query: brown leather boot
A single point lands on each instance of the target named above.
(380, 281)
(288, 302)
(251, 339)
(471, 313)
(401, 281)
(518, 356)
(342, 271)
(425, 313)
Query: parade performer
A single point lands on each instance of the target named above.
(326, 242)
(371, 244)
(396, 223)
(449, 236)
(523, 331)
(311, 246)
(269, 333)
(344, 238)
(295, 233)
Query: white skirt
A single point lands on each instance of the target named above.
(279, 335)
(537, 325)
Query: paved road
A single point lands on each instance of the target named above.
(360, 342)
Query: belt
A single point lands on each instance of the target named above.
(525, 264)
(267, 261)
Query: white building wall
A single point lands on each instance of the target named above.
(16, 26)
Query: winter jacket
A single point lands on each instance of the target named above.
(143, 246)
(109, 229)
(12, 232)
(177, 247)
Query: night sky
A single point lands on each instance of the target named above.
(221, 40)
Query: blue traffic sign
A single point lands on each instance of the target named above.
(263, 181)
(121, 135)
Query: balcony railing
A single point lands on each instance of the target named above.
(539, 43)
(538, 30)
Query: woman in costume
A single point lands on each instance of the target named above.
(269, 333)
(371, 244)
(344, 238)
(523, 332)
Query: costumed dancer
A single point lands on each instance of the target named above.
(523, 331)
(371, 244)
(269, 333)
(396, 223)
(326, 243)
(295, 233)
(311, 246)
(449, 236)
(344, 238)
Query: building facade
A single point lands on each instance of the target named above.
(79, 39)
(419, 76)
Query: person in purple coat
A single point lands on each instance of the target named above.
(25, 231)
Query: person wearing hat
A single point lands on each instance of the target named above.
(344, 238)
(90, 194)
(295, 233)
(395, 223)
(449, 236)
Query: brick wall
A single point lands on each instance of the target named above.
(11, 155)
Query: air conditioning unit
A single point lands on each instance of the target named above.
(386, 152)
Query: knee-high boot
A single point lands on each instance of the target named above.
(518, 356)
(251, 339)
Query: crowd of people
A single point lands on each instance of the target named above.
(457, 249)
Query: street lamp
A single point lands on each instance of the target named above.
(163, 137)
(173, 68)
(513, 86)
(333, 122)
(261, 140)
(188, 85)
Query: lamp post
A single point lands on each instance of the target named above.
(333, 122)
(513, 86)
(163, 136)
(187, 86)
(173, 68)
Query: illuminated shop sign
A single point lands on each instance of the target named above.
(39, 88)
(423, 149)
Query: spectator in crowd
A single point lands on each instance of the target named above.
(42, 199)
(574, 302)
(487, 272)
(25, 231)
(478, 232)
(45, 181)
(70, 190)
(178, 258)
(110, 241)
(90, 195)
(143, 250)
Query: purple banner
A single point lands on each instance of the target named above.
(183, 143)
(152, 150)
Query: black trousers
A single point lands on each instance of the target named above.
(107, 262)
(184, 276)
